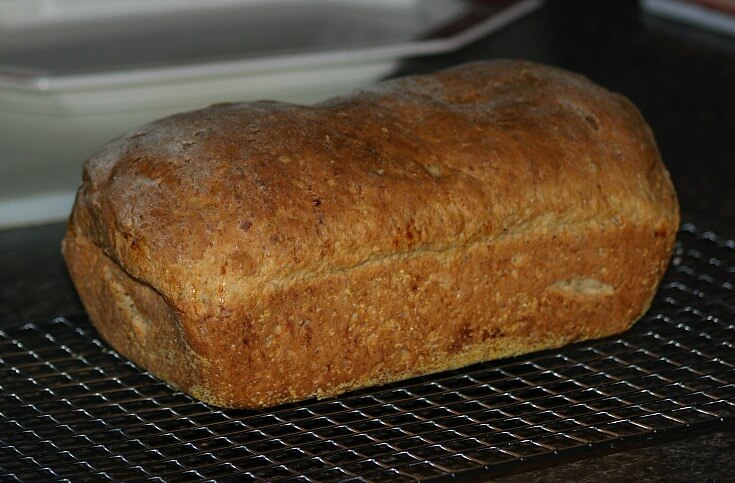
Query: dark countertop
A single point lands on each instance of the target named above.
(682, 79)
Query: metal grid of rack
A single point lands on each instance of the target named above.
(71, 408)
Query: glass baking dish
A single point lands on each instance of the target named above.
(76, 73)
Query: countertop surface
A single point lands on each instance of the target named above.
(683, 81)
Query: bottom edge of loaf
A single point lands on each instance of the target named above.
(513, 347)
(138, 322)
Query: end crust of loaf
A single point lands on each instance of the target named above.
(426, 224)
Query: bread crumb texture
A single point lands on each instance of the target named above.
(253, 254)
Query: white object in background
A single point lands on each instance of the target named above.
(718, 16)
(76, 73)
(38, 208)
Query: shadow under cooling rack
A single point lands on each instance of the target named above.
(71, 408)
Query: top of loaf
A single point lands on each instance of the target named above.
(208, 203)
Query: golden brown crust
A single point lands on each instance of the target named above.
(285, 251)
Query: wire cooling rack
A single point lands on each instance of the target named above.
(71, 408)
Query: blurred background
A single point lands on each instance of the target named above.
(76, 73)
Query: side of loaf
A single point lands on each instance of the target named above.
(259, 253)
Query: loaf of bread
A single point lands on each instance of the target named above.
(259, 253)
